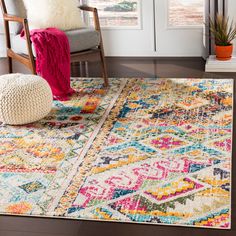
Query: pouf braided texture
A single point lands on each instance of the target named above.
(24, 99)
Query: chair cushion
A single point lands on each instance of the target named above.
(79, 40)
(16, 7)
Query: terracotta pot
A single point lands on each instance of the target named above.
(223, 53)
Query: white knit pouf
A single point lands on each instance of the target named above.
(24, 99)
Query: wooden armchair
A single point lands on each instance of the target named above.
(25, 53)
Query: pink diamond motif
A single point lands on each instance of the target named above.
(166, 142)
(223, 145)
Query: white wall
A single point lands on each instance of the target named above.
(232, 14)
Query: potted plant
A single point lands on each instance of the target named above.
(224, 33)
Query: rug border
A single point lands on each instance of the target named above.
(87, 146)
(231, 160)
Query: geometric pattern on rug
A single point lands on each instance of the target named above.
(35, 159)
(159, 152)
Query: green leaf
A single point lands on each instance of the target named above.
(223, 31)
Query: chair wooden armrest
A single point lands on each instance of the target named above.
(98, 28)
(95, 15)
(12, 18)
(87, 8)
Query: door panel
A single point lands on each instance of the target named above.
(128, 29)
(151, 27)
(179, 27)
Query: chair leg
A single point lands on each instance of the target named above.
(86, 69)
(33, 67)
(81, 69)
(33, 71)
(10, 65)
(104, 68)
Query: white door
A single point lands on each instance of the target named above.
(127, 26)
(179, 27)
(152, 27)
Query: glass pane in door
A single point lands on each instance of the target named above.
(117, 13)
(184, 13)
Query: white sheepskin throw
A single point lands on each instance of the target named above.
(61, 14)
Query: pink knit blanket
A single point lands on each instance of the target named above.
(53, 60)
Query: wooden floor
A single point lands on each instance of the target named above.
(139, 67)
(123, 67)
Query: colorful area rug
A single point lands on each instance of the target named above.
(155, 151)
